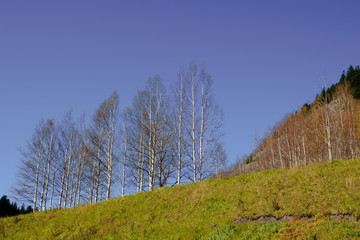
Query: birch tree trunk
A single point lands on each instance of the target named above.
(280, 155)
(328, 134)
(63, 176)
(181, 95)
(327, 122)
(50, 145)
(193, 122)
(68, 169)
(92, 181)
(124, 163)
(37, 170)
(202, 123)
(98, 169)
(150, 147)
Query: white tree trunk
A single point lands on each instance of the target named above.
(180, 130)
(193, 126)
(48, 170)
(124, 164)
(280, 155)
(151, 151)
(63, 177)
(202, 125)
(328, 134)
(37, 172)
(68, 170)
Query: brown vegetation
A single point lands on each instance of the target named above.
(327, 129)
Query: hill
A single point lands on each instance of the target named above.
(326, 129)
(320, 201)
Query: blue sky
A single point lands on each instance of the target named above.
(266, 58)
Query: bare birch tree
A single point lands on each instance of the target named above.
(179, 95)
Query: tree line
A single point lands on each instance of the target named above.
(8, 209)
(160, 140)
(322, 131)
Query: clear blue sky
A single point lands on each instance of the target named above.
(266, 57)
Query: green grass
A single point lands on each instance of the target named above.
(207, 210)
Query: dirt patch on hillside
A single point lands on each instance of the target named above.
(269, 218)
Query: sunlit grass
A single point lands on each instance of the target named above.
(207, 210)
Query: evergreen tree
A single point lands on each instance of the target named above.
(8, 209)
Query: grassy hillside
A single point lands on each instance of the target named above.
(321, 201)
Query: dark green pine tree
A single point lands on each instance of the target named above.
(353, 76)
(8, 209)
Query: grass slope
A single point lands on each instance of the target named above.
(206, 210)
